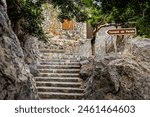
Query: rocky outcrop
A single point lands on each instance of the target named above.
(86, 68)
(141, 49)
(15, 78)
(31, 53)
(86, 60)
(122, 76)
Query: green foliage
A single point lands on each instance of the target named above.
(120, 11)
(70, 9)
(29, 15)
(32, 23)
(93, 11)
(143, 27)
(94, 16)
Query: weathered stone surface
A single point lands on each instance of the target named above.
(86, 61)
(102, 40)
(53, 27)
(122, 77)
(69, 46)
(85, 48)
(86, 68)
(15, 78)
(31, 53)
(141, 49)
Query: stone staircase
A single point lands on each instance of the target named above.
(59, 75)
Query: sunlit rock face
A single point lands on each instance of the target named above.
(54, 28)
(122, 76)
(15, 79)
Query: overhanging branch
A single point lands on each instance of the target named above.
(111, 24)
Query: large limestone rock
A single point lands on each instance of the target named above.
(31, 53)
(86, 68)
(15, 78)
(122, 77)
(86, 60)
(141, 49)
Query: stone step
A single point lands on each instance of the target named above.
(54, 95)
(58, 84)
(51, 51)
(59, 70)
(59, 63)
(64, 40)
(58, 79)
(59, 60)
(59, 75)
(60, 89)
(51, 55)
(61, 54)
(58, 66)
(66, 56)
(76, 54)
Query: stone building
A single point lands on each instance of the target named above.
(66, 30)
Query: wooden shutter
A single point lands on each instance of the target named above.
(67, 25)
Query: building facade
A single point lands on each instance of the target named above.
(66, 30)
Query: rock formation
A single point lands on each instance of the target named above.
(31, 53)
(122, 77)
(15, 79)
